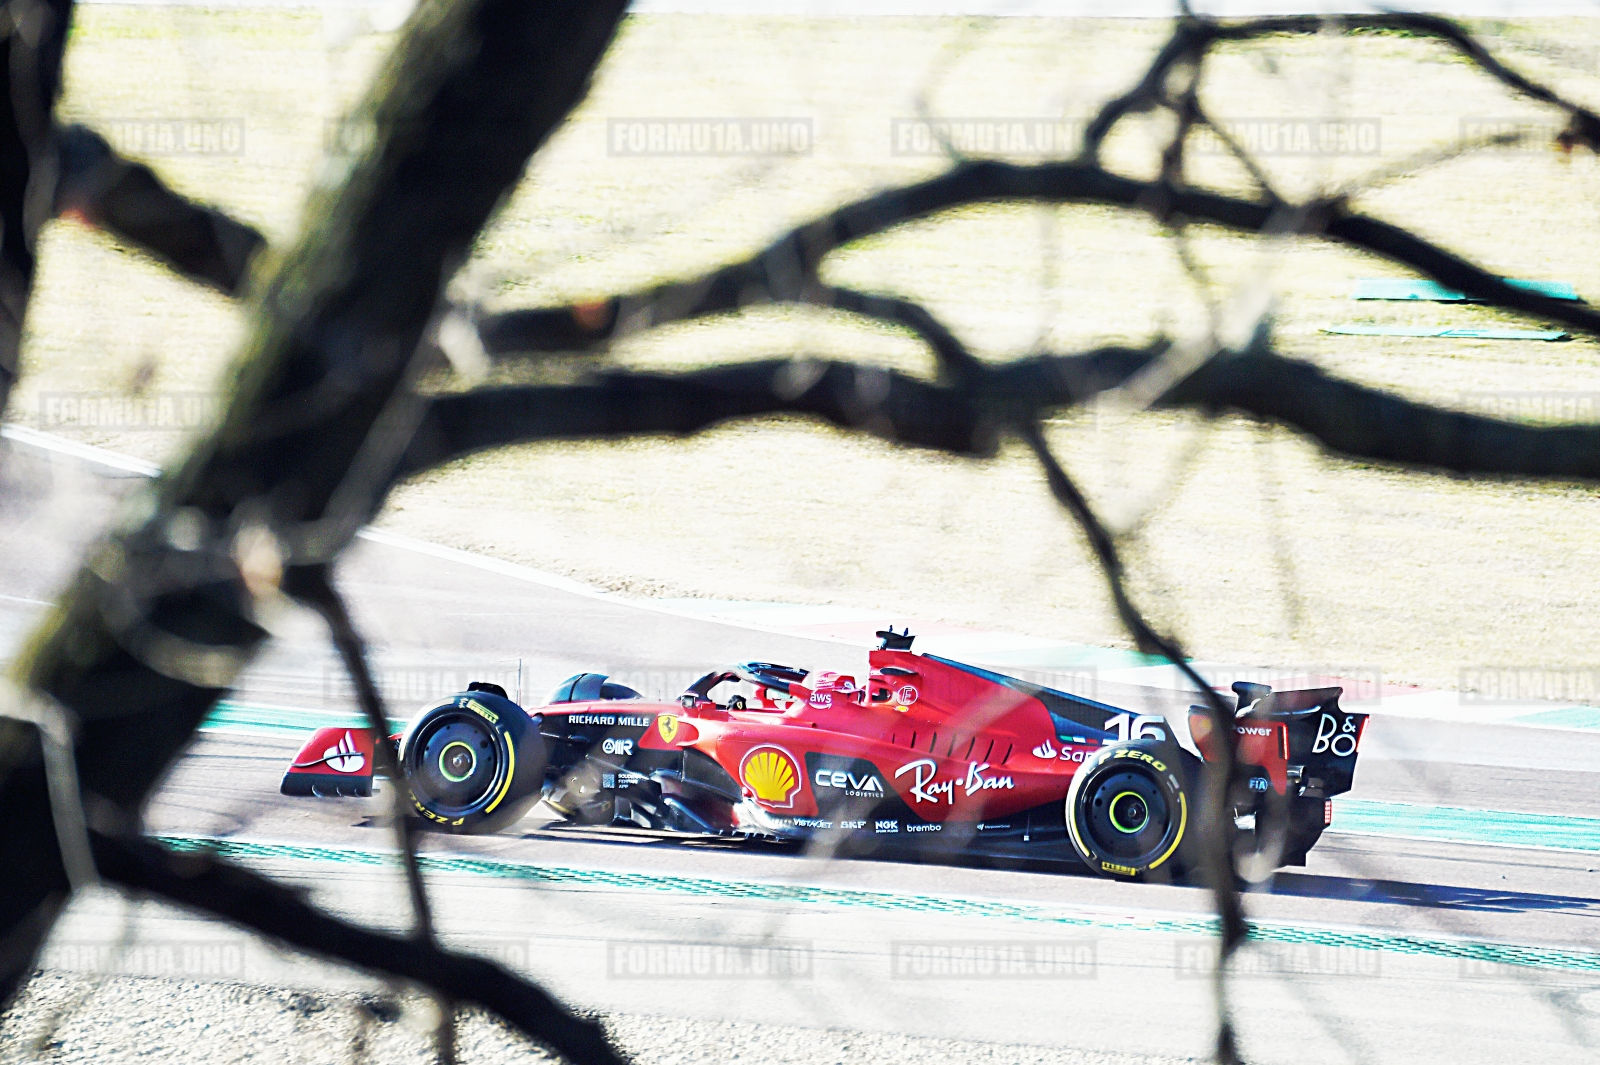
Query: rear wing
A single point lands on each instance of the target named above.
(1299, 738)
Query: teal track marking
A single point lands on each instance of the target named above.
(249, 717)
(1477, 951)
(1446, 332)
(1454, 824)
(1389, 288)
(1576, 717)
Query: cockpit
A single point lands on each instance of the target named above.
(771, 687)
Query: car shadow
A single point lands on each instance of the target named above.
(1426, 896)
(1286, 883)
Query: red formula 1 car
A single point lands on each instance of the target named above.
(928, 755)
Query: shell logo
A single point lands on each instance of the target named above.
(772, 774)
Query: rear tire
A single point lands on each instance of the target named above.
(473, 763)
(1128, 812)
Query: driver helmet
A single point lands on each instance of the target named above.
(841, 684)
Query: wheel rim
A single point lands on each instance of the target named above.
(457, 761)
(1128, 816)
(1128, 812)
(454, 764)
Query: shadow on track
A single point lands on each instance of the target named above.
(1427, 896)
(1286, 883)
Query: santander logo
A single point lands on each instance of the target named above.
(342, 757)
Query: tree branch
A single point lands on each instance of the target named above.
(129, 200)
(207, 884)
(31, 46)
(1348, 419)
(313, 585)
(1192, 37)
(1218, 773)
(160, 620)
(786, 270)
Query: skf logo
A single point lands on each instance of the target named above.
(342, 757)
(771, 774)
(667, 725)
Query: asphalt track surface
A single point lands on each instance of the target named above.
(1384, 948)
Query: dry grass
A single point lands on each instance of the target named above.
(1256, 549)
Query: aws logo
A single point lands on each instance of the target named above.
(772, 774)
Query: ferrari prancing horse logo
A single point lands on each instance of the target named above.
(667, 725)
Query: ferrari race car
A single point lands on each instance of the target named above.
(929, 755)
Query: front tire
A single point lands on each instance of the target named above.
(473, 763)
(1127, 812)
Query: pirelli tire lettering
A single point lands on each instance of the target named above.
(472, 763)
(1127, 812)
